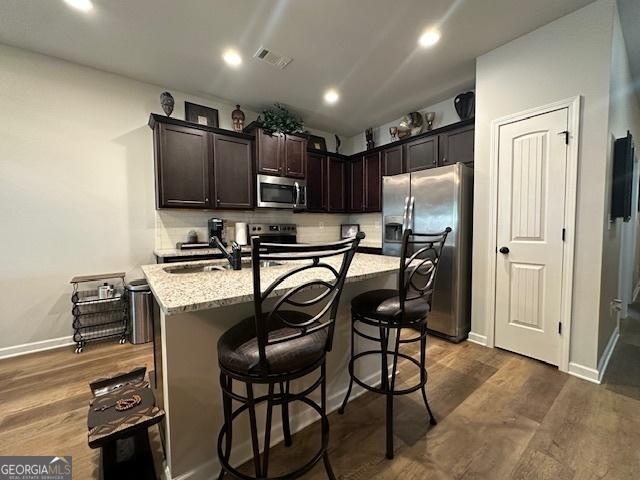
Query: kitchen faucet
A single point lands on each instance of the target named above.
(235, 257)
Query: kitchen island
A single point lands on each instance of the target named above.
(196, 303)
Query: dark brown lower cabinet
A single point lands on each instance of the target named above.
(182, 167)
(233, 172)
(337, 185)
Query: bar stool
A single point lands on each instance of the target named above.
(395, 310)
(273, 348)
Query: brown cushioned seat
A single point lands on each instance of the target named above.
(238, 346)
(384, 305)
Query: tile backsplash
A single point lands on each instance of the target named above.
(172, 226)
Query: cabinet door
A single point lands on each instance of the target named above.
(295, 156)
(373, 186)
(182, 167)
(336, 188)
(233, 172)
(421, 154)
(457, 146)
(356, 178)
(317, 182)
(269, 151)
(392, 160)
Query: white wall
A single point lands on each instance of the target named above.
(565, 58)
(618, 254)
(77, 188)
(445, 115)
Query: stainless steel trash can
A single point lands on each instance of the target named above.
(140, 326)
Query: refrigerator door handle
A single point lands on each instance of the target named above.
(411, 203)
(404, 213)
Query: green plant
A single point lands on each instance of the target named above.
(278, 119)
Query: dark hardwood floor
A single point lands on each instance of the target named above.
(501, 416)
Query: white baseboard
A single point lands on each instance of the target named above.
(585, 373)
(8, 352)
(608, 351)
(243, 451)
(477, 338)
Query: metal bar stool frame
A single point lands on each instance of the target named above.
(423, 263)
(283, 396)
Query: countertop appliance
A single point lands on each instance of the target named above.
(430, 201)
(275, 233)
(281, 192)
(216, 229)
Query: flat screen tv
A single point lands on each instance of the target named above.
(623, 154)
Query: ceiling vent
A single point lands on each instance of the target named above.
(272, 58)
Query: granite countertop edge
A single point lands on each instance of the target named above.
(163, 284)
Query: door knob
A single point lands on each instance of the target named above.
(504, 250)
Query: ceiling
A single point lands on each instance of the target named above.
(367, 49)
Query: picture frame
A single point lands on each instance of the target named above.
(200, 114)
(317, 143)
(348, 230)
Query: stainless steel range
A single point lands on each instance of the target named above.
(274, 233)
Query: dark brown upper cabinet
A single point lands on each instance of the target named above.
(336, 185)
(269, 156)
(295, 156)
(201, 167)
(182, 167)
(317, 183)
(233, 172)
(392, 160)
(373, 182)
(456, 146)
(421, 153)
(356, 179)
(280, 155)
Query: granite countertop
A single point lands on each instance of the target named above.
(176, 252)
(189, 292)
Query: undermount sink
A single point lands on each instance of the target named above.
(219, 267)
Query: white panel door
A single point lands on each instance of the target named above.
(532, 161)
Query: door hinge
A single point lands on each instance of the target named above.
(564, 234)
(559, 328)
(566, 136)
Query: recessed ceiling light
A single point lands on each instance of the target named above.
(83, 5)
(429, 38)
(232, 57)
(331, 96)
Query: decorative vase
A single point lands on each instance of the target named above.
(167, 102)
(237, 117)
(465, 104)
(368, 133)
(338, 143)
(430, 117)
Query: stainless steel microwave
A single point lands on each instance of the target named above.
(281, 192)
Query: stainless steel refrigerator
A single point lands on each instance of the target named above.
(429, 201)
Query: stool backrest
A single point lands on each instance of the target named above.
(419, 260)
(311, 260)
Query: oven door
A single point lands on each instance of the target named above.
(281, 192)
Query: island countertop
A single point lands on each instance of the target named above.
(188, 292)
